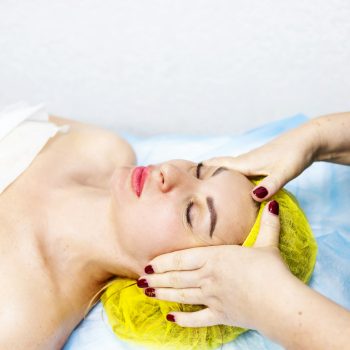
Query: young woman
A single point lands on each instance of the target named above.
(83, 213)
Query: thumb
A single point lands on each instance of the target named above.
(267, 187)
(201, 318)
(269, 232)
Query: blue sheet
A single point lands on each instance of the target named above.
(323, 191)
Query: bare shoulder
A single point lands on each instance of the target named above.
(33, 313)
(93, 140)
(17, 331)
(26, 324)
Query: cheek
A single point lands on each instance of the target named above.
(151, 230)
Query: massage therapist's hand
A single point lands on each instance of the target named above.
(325, 138)
(237, 284)
(280, 160)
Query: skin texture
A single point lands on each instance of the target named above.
(71, 222)
(48, 223)
(155, 222)
(60, 245)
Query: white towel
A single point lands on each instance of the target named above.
(24, 131)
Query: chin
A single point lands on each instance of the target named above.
(119, 183)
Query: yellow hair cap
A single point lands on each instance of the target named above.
(141, 319)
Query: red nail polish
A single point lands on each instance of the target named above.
(149, 269)
(170, 317)
(274, 207)
(150, 292)
(142, 283)
(261, 192)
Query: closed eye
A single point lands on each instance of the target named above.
(212, 211)
(190, 203)
(216, 172)
(188, 213)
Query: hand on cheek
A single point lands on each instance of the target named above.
(230, 280)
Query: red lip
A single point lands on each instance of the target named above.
(138, 179)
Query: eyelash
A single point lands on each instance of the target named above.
(190, 204)
(188, 219)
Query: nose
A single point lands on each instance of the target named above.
(172, 177)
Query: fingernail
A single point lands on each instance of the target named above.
(150, 292)
(274, 207)
(149, 269)
(170, 317)
(261, 192)
(142, 283)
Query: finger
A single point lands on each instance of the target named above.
(269, 226)
(202, 318)
(267, 187)
(184, 296)
(218, 161)
(187, 259)
(172, 279)
(235, 163)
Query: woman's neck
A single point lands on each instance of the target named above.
(79, 242)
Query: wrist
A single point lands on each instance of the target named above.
(274, 296)
(283, 305)
(331, 133)
(301, 318)
(313, 133)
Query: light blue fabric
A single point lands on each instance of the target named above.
(323, 191)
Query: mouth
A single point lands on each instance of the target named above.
(138, 179)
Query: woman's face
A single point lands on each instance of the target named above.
(182, 205)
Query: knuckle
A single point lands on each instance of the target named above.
(205, 280)
(155, 264)
(274, 181)
(200, 273)
(202, 277)
(174, 280)
(207, 284)
(217, 314)
(213, 301)
(270, 226)
(270, 223)
(182, 296)
(177, 261)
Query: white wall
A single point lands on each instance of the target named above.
(194, 66)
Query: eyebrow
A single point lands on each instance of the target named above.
(213, 215)
(210, 202)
